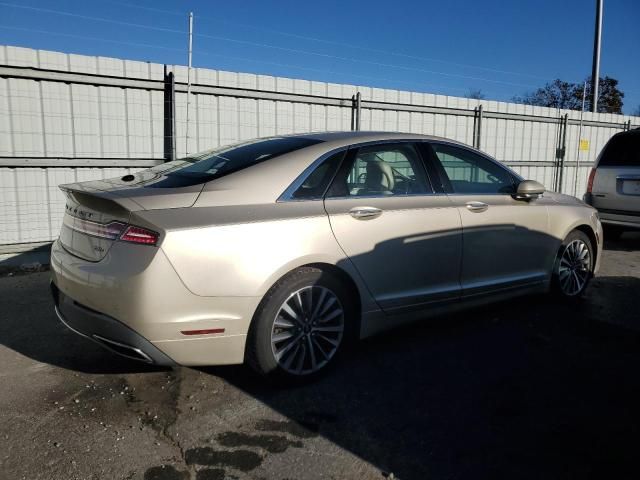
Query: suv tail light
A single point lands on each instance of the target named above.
(139, 235)
(592, 175)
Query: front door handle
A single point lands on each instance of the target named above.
(365, 213)
(477, 207)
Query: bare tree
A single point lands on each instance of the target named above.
(475, 94)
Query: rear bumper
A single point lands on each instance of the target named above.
(620, 218)
(135, 298)
(106, 331)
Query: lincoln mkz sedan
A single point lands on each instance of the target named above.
(277, 251)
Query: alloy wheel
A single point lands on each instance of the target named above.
(307, 330)
(574, 268)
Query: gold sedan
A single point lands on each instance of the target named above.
(277, 251)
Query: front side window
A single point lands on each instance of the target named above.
(468, 172)
(381, 170)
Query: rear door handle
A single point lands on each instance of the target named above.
(477, 207)
(365, 213)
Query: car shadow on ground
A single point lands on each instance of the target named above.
(38, 334)
(530, 388)
(628, 242)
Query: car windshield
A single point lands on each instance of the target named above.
(211, 164)
(623, 150)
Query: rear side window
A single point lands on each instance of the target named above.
(216, 163)
(623, 150)
(317, 182)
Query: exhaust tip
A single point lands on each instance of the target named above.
(123, 349)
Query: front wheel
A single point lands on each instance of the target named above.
(300, 326)
(573, 268)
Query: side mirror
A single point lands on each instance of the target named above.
(529, 189)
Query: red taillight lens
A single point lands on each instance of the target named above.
(592, 175)
(139, 235)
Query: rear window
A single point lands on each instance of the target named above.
(206, 166)
(623, 150)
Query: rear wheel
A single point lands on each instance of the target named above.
(574, 265)
(300, 326)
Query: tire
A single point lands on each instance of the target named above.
(612, 232)
(291, 339)
(573, 268)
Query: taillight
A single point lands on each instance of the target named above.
(110, 230)
(592, 175)
(139, 235)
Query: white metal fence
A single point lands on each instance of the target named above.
(67, 118)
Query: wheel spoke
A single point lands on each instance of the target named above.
(283, 323)
(279, 337)
(287, 363)
(286, 348)
(308, 307)
(335, 343)
(298, 303)
(327, 305)
(320, 349)
(331, 316)
(323, 295)
(303, 354)
(314, 364)
(291, 312)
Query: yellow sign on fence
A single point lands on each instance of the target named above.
(584, 145)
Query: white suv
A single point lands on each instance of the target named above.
(614, 184)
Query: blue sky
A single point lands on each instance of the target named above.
(502, 48)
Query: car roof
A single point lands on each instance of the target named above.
(343, 138)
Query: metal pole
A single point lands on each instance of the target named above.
(186, 136)
(475, 126)
(169, 116)
(358, 111)
(479, 125)
(575, 180)
(564, 151)
(597, 43)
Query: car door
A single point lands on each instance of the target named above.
(404, 240)
(505, 243)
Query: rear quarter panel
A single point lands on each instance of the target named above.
(244, 250)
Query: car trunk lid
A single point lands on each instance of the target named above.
(98, 212)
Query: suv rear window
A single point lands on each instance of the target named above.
(211, 164)
(623, 150)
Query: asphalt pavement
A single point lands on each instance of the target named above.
(533, 388)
